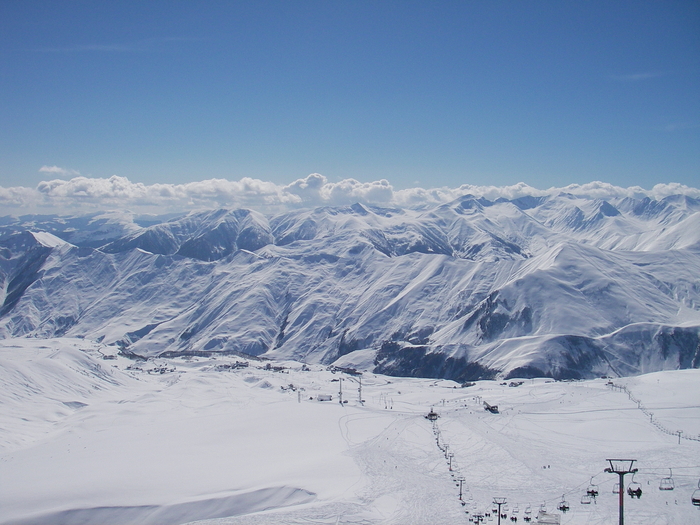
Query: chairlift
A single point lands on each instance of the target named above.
(667, 483)
(516, 509)
(528, 510)
(634, 489)
(563, 504)
(528, 514)
(592, 490)
(695, 498)
(586, 499)
(616, 488)
(543, 507)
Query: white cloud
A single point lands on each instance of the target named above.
(19, 198)
(55, 170)
(82, 194)
(316, 190)
(636, 77)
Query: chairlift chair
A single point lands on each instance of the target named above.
(695, 498)
(616, 488)
(516, 510)
(634, 489)
(592, 489)
(563, 504)
(667, 483)
(586, 499)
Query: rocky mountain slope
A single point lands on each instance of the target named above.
(562, 286)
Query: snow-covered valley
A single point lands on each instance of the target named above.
(90, 436)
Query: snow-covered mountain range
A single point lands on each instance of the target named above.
(563, 286)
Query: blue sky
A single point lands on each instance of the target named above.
(420, 93)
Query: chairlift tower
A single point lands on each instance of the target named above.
(499, 502)
(621, 467)
(357, 380)
(461, 480)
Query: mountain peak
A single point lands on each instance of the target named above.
(567, 286)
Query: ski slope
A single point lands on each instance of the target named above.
(89, 436)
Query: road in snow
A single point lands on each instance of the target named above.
(89, 439)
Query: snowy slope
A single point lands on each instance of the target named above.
(87, 436)
(559, 286)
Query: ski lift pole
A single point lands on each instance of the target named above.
(499, 502)
(358, 380)
(621, 467)
(461, 480)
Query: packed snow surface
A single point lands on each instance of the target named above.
(90, 436)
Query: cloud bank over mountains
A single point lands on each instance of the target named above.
(86, 194)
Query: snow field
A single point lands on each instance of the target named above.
(87, 436)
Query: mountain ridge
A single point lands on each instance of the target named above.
(465, 290)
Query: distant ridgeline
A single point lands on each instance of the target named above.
(560, 286)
